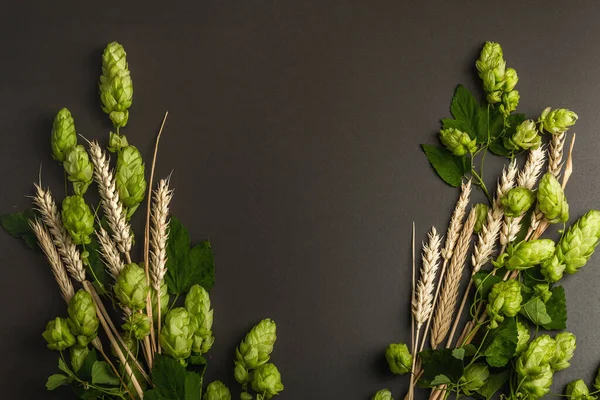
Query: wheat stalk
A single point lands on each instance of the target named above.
(58, 268)
(109, 252)
(68, 251)
(111, 204)
(488, 236)
(444, 311)
(423, 304)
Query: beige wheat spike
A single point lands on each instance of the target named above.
(423, 303)
(58, 268)
(111, 204)
(109, 252)
(444, 312)
(159, 233)
(527, 178)
(555, 154)
(68, 251)
(456, 220)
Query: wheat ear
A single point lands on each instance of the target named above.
(110, 254)
(58, 268)
(527, 178)
(68, 251)
(555, 154)
(423, 304)
(446, 306)
(111, 204)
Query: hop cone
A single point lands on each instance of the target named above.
(83, 320)
(504, 300)
(58, 335)
(77, 219)
(578, 390)
(131, 287)
(267, 379)
(383, 394)
(177, 334)
(523, 336)
(525, 137)
(217, 391)
(137, 325)
(197, 302)
(79, 168)
(557, 121)
(551, 199)
(526, 254)
(481, 211)
(533, 367)
(565, 348)
(459, 143)
(255, 350)
(116, 87)
(517, 201)
(130, 180)
(63, 137)
(399, 358)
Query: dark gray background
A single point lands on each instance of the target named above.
(293, 140)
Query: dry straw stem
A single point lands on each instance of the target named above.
(412, 317)
(446, 306)
(527, 178)
(456, 223)
(109, 252)
(111, 204)
(68, 251)
(488, 236)
(58, 269)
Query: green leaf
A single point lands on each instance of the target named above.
(484, 281)
(535, 311)
(557, 309)
(440, 380)
(197, 360)
(501, 343)
(57, 380)
(458, 353)
(62, 365)
(188, 266)
(173, 382)
(465, 110)
(101, 278)
(493, 384)
(448, 166)
(102, 374)
(17, 226)
(441, 362)
(85, 372)
(497, 148)
(470, 349)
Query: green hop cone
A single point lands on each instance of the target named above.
(510, 80)
(197, 302)
(597, 381)
(542, 290)
(474, 378)
(536, 385)
(527, 254)
(459, 143)
(492, 70)
(557, 121)
(77, 219)
(83, 320)
(130, 179)
(399, 358)
(131, 287)
(217, 391)
(578, 390)
(267, 380)
(58, 335)
(116, 86)
(533, 367)
(523, 336)
(80, 169)
(517, 201)
(137, 325)
(63, 137)
(116, 142)
(551, 199)
(481, 212)
(177, 334)
(255, 350)
(510, 102)
(383, 394)
(574, 248)
(504, 300)
(245, 396)
(78, 355)
(565, 348)
(164, 301)
(526, 137)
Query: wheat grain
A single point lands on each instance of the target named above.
(555, 154)
(68, 251)
(444, 312)
(109, 252)
(111, 204)
(57, 266)
(423, 305)
(159, 233)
